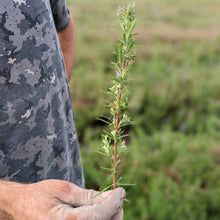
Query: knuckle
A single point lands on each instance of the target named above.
(91, 195)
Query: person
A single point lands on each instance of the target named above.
(40, 166)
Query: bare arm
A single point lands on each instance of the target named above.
(67, 43)
(6, 200)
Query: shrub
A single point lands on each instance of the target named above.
(176, 177)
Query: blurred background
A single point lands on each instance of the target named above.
(174, 156)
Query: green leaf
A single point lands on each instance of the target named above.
(105, 189)
(120, 53)
(126, 184)
(110, 177)
(123, 136)
(131, 28)
(130, 46)
(128, 11)
(107, 169)
(108, 123)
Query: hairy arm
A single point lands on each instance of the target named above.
(67, 43)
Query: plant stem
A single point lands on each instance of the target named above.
(114, 165)
(116, 135)
(113, 141)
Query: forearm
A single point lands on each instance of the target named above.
(6, 199)
(10, 195)
(66, 38)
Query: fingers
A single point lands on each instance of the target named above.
(82, 197)
(76, 196)
(118, 216)
(101, 196)
(103, 209)
(86, 205)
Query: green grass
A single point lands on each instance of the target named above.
(174, 143)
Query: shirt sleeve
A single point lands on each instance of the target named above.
(60, 14)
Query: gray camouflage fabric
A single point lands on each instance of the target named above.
(37, 132)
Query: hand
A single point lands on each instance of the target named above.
(61, 200)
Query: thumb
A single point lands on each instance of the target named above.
(77, 196)
(103, 210)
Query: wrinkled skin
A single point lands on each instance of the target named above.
(61, 200)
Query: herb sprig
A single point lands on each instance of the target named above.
(114, 145)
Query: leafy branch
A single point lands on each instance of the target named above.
(114, 140)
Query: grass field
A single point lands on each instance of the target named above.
(174, 144)
(173, 31)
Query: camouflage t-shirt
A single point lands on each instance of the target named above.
(37, 131)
